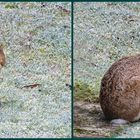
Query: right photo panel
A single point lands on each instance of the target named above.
(107, 69)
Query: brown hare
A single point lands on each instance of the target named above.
(120, 90)
(2, 57)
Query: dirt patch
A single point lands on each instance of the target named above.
(89, 121)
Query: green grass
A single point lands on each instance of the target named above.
(11, 6)
(117, 131)
(85, 92)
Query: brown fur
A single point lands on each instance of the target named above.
(120, 89)
(2, 57)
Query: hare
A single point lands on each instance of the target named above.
(120, 90)
(2, 57)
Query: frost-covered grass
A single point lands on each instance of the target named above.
(103, 33)
(36, 39)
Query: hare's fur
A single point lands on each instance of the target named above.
(120, 90)
(2, 58)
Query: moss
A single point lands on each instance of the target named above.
(2, 45)
(113, 53)
(14, 120)
(78, 130)
(85, 92)
(21, 23)
(117, 131)
(42, 42)
(11, 6)
(63, 13)
(28, 55)
(33, 32)
(4, 100)
(42, 50)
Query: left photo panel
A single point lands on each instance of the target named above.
(35, 70)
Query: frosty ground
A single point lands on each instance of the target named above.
(103, 33)
(34, 99)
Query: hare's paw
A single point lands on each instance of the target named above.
(116, 122)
